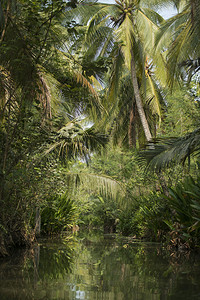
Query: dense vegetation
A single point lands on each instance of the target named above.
(99, 119)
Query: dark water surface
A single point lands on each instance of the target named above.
(105, 267)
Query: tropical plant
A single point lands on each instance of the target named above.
(178, 37)
(182, 50)
(35, 77)
(128, 45)
(184, 202)
(73, 140)
(59, 213)
(144, 218)
(164, 152)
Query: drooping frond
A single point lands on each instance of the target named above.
(165, 33)
(164, 152)
(73, 141)
(154, 97)
(115, 77)
(148, 22)
(101, 18)
(184, 44)
(176, 55)
(84, 12)
(98, 184)
(126, 36)
(75, 69)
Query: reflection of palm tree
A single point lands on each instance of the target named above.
(36, 260)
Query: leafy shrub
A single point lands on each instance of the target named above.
(184, 200)
(145, 218)
(58, 214)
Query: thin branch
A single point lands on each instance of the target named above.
(46, 36)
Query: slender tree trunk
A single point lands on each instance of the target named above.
(37, 221)
(5, 20)
(139, 100)
(131, 129)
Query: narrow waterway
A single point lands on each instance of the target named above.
(99, 267)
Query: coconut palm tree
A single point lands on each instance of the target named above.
(179, 39)
(129, 42)
(182, 51)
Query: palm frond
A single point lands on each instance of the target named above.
(165, 33)
(98, 184)
(147, 23)
(76, 71)
(156, 99)
(84, 12)
(116, 74)
(163, 152)
(96, 24)
(126, 37)
(73, 141)
(184, 44)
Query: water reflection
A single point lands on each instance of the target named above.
(99, 268)
(36, 274)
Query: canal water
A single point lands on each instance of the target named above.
(99, 267)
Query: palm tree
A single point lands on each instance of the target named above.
(123, 121)
(179, 39)
(132, 25)
(35, 75)
(73, 140)
(182, 51)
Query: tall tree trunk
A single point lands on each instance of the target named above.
(138, 100)
(5, 20)
(131, 128)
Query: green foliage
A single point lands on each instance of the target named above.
(98, 212)
(39, 95)
(139, 212)
(125, 167)
(58, 60)
(179, 34)
(163, 152)
(59, 213)
(184, 201)
(73, 140)
(182, 112)
(144, 218)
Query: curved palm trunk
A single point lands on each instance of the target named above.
(132, 129)
(139, 100)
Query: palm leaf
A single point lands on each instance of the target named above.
(153, 93)
(73, 141)
(125, 36)
(163, 152)
(99, 184)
